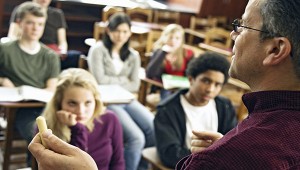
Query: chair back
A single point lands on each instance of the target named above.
(99, 27)
(152, 37)
(82, 63)
(200, 25)
(140, 14)
(196, 50)
(110, 10)
(166, 17)
(218, 37)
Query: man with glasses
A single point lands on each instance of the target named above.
(267, 58)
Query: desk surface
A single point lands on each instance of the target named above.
(21, 104)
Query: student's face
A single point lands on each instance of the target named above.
(32, 27)
(43, 3)
(248, 50)
(175, 40)
(121, 35)
(206, 86)
(80, 102)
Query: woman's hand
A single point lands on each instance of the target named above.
(66, 118)
(171, 58)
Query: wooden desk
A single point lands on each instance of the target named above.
(136, 27)
(216, 49)
(139, 28)
(10, 111)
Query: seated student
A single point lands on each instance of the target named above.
(169, 56)
(54, 34)
(197, 108)
(28, 62)
(114, 62)
(76, 115)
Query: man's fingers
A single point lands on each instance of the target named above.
(197, 149)
(201, 143)
(35, 145)
(206, 135)
(57, 145)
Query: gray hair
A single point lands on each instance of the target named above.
(282, 18)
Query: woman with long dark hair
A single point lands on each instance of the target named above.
(113, 61)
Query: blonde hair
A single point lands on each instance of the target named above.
(74, 77)
(165, 36)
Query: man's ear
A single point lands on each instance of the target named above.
(190, 79)
(278, 49)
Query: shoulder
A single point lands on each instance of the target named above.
(133, 52)
(223, 100)
(109, 115)
(99, 46)
(172, 100)
(8, 46)
(48, 51)
(188, 53)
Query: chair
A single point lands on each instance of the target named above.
(166, 17)
(110, 10)
(82, 62)
(99, 26)
(218, 37)
(200, 25)
(140, 14)
(152, 37)
(151, 156)
(218, 40)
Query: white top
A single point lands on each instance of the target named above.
(199, 118)
(117, 62)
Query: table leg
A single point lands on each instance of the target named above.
(10, 115)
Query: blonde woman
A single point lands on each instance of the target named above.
(76, 115)
(169, 55)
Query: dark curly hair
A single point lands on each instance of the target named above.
(208, 61)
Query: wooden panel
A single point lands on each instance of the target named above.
(230, 8)
(194, 4)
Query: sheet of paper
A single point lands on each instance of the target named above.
(33, 93)
(10, 94)
(24, 93)
(173, 82)
(114, 94)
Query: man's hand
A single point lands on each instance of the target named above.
(202, 140)
(60, 154)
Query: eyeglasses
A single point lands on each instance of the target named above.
(237, 24)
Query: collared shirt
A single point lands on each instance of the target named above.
(267, 139)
